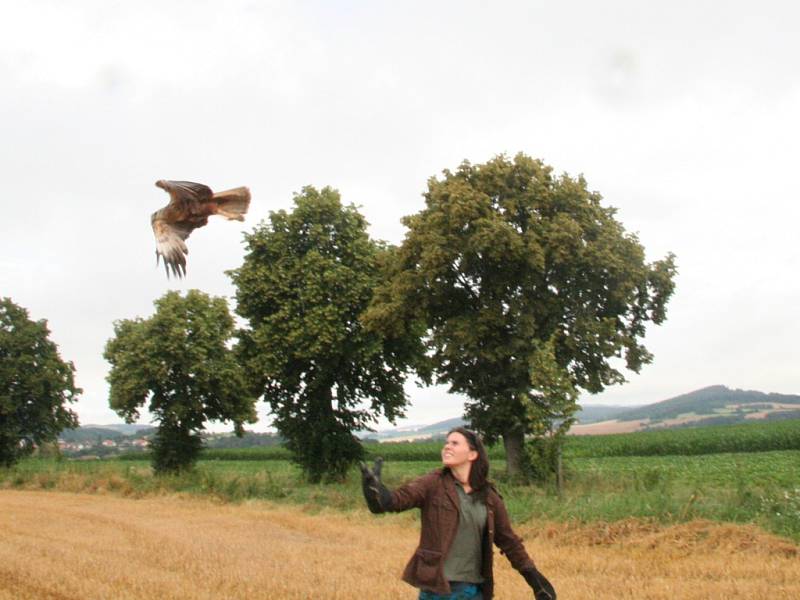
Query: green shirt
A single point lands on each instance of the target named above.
(463, 562)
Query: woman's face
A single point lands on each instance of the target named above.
(456, 451)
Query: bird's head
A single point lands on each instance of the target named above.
(162, 184)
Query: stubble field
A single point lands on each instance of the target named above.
(64, 546)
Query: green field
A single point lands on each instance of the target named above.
(756, 487)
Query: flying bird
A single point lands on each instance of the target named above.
(189, 207)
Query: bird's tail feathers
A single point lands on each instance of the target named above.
(233, 204)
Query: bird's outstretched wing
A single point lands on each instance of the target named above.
(186, 195)
(170, 243)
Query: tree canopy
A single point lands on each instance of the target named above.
(306, 279)
(36, 385)
(181, 361)
(529, 288)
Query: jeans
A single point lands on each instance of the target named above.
(461, 590)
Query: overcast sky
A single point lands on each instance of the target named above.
(683, 115)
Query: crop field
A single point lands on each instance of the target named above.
(750, 437)
(62, 546)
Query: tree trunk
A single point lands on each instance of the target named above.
(559, 469)
(513, 440)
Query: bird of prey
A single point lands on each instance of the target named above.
(189, 207)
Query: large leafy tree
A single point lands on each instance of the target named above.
(181, 361)
(530, 290)
(306, 279)
(35, 385)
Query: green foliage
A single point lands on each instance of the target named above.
(528, 288)
(258, 453)
(179, 359)
(174, 448)
(540, 458)
(306, 279)
(35, 385)
(249, 439)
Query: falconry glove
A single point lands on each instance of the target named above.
(378, 497)
(542, 589)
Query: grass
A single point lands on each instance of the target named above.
(761, 487)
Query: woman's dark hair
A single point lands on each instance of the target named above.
(479, 472)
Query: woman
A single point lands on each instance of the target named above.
(462, 516)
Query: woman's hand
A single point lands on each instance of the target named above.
(542, 589)
(379, 499)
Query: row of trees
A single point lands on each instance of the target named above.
(514, 286)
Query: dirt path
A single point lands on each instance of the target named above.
(67, 546)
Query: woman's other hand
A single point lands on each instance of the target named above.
(542, 589)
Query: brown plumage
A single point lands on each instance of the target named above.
(189, 207)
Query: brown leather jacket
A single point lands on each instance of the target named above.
(435, 493)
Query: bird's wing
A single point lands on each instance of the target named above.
(186, 194)
(170, 244)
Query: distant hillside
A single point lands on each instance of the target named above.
(416, 432)
(592, 413)
(97, 433)
(121, 428)
(443, 426)
(716, 400)
(714, 405)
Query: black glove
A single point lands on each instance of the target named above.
(542, 589)
(378, 497)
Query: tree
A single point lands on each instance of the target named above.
(35, 385)
(530, 290)
(180, 360)
(306, 279)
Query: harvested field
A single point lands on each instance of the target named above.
(606, 427)
(63, 546)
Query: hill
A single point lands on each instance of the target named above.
(713, 405)
(97, 433)
(715, 400)
(123, 428)
(592, 413)
(415, 432)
